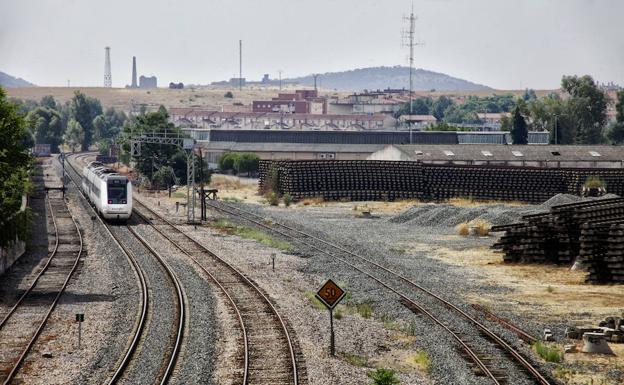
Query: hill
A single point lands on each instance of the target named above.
(9, 81)
(374, 78)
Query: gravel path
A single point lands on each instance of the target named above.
(197, 360)
(157, 339)
(104, 289)
(373, 238)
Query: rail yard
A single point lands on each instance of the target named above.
(230, 300)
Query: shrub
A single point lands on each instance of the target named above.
(246, 162)
(383, 376)
(287, 199)
(594, 182)
(483, 227)
(462, 229)
(550, 354)
(226, 161)
(365, 310)
(229, 95)
(272, 198)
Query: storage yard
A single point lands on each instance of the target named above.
(440, 288)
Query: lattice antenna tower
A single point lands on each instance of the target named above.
(408, 41)
(108, 80)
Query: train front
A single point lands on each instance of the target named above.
(117, 204)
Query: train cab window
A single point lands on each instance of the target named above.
(116, 192)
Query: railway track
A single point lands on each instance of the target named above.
(137, 357)
(492, 356)
(21, 326)
(268, 354)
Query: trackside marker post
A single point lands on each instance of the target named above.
(330, 295)
(80, 320)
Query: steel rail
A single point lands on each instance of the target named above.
(237, 273)
(43, 322)
(43, 270)
(493, 336)
(181, 306)
(140, 275)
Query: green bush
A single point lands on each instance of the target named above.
(246, 162)
(550, 354)
(594, 182)
(287, 199)
(272, 198)
(383, 376)
(365, 310)
(229, 95)
(226, 161)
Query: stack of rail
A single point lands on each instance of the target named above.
(389, 180)
(352, 180)
(592, 231)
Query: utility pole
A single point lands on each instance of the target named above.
(556, 129)
(315, 76)
(240, 64)
(280, 79)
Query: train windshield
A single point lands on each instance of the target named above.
(117, 192)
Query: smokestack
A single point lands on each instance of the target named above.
(108, 81)
(134, 74)
(240, 64)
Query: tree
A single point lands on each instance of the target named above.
(420, 106)
(14, 165)
(616, 131)
(439, 107)
(226, 161)
(46, 125)
(154, 156)
(228, 95)
(48, 102)
(519, 131)
(586, 108)
(84, 109)
(246, 162)
(74, 135)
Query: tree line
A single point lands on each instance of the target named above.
(78, 123)
(578, 116)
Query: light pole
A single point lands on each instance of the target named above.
(556, 129)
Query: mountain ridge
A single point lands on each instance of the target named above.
(373, 78)
(9, 81)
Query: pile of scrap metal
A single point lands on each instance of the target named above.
(612, 328)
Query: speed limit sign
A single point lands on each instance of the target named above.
(330, 294)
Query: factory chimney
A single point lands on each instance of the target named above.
(108, 81)
(134, 74)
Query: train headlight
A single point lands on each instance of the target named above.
(110, 202)
(123, 202)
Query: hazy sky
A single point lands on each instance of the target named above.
(500, 43)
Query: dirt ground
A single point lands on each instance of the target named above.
(131, 99)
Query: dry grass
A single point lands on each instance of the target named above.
(482, 227)
(311, 201)
(470, 202)
(125, 98)
(462, 229)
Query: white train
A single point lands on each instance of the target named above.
(108, 191)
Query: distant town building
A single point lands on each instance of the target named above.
(265, 79)
(207, 119)
(148, 82)
(418, 121)
(176, 86)
(237, 82)
(299, 102)
(388, 101)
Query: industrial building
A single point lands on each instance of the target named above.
(299, 102)
(198, 120)
(549, 156)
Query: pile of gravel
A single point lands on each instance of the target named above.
(448, 215)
